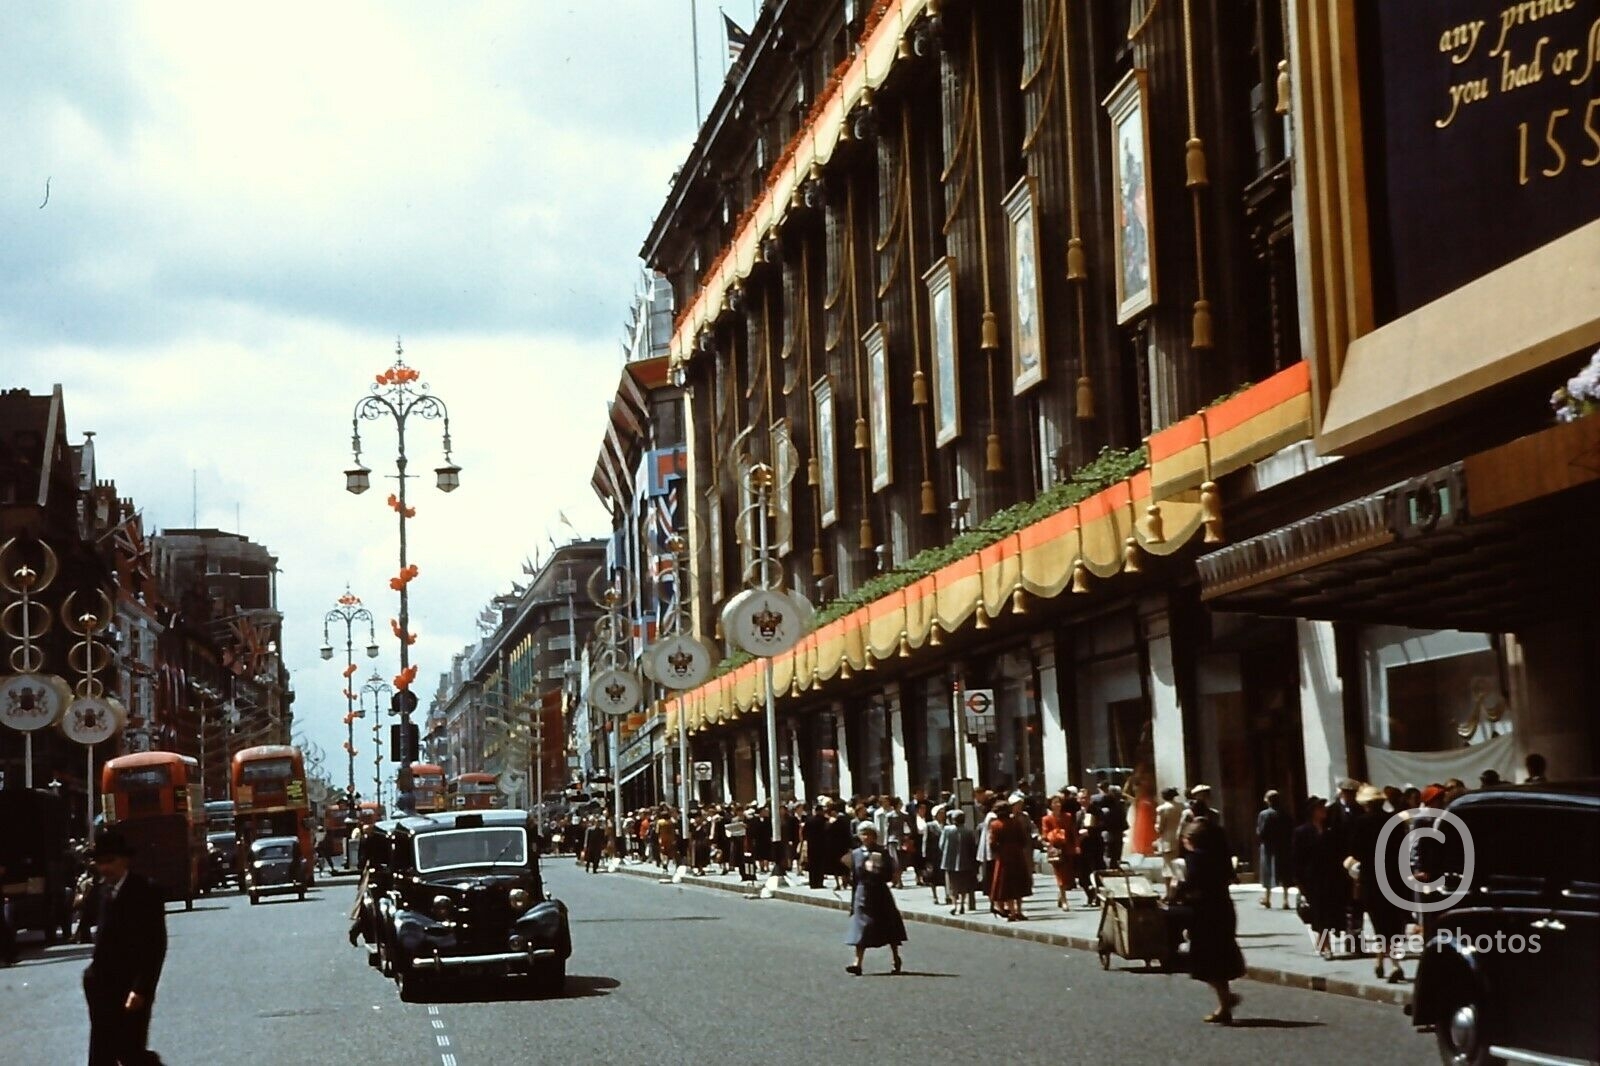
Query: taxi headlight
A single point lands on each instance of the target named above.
(444, 908)
(520, 899)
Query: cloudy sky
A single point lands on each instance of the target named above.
(248, 203)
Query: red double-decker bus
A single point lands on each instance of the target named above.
(269, 800)
(475, 792)
(154, 798)
(428, 786)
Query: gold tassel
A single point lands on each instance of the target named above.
(991, 332)
(797, 199)
(930, 504)
(868, 662)
(994, 463)
(935, 634)
(1202, 324)
(1282, 107)
(794, 683)
(1019, 601)
(903, 49)
(919, 389)
(983, 616)
(717, 632)
(1155, 530)
(905, 645)
(845, 671)
(818, 566)
(1194, 164)
(1211, 512)
(1085, 397)
(1080, 577)
(813, 472)
(1077, 270)
(867, 540)
(863, 439)
(1130, 556)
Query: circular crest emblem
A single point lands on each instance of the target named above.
(764, 622)
(90, 721)
(680, 662)
(614, 692)
(32, 701)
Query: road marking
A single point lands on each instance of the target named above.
(437, 1024)
(444, 1041)
(447, 1060)
(433, 1010)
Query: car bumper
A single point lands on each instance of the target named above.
(501, 962)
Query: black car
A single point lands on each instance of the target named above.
(459, 894)
(276, 866)
(1510, 969)
(222, 858)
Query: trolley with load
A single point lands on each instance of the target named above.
(1133, 923)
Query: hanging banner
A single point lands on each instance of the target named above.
(29, 702)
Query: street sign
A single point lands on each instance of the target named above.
(403, 702)
(702, 771)
(978, 705)
(980, 700)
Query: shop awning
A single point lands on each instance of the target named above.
(1489, 543)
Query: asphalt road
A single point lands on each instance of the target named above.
(680, 975)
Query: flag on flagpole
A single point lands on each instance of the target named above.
(737, 38)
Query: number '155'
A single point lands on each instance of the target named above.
(1558, 154)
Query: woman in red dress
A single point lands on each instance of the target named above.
(1059, 832)
(1011, 845)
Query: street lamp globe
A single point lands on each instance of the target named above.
(327, 651)
(357, 480)
(372, 651)
(449, 477)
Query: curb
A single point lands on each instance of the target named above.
(1392, 995)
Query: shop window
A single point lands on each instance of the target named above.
(930, 738)
(1433, 690)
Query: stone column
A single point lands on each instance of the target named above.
(899, 772)
(846, 784)
(1321, 708)
(727, 772)
(1053, 731)
(1165, 709)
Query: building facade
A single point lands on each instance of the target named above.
(1050, 322)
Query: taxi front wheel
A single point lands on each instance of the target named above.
(1460, 1037)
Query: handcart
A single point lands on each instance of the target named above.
(1133, 923)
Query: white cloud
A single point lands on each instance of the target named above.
(247, 205)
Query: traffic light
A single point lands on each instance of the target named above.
(404, 743)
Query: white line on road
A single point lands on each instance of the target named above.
(437, 1024)
(444, 1041)
(447, 1060)
(433, 1010)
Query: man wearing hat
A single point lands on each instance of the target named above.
(130, 945)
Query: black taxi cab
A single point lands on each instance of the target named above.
(459, 894)
(1509, 971)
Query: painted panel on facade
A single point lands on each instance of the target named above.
(942, 325)
(1134, 226)
(1027, 291)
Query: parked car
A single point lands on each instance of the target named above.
(276, 866)
(459, 894)
(222, 859)
(1509, 971)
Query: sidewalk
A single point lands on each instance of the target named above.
(1277, 947)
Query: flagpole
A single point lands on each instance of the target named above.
(694, 32)
(726, 57)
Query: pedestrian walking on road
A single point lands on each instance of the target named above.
(1214, 955)
(129, 949)
(875, 920)
(1273, 833)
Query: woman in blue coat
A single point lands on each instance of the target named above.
(875, 920)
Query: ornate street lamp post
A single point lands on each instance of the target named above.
(348, 610)
(377, 688)
(399, 394)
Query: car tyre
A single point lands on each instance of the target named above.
(413, 987)
(1460, 1035)
(551, 978)
(302, 894)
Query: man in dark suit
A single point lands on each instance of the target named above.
(820, 861)
(130, 945)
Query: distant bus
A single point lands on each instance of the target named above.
(154, 798)
(475, 792)
(219, 816)
(269, 799)
(428, 786)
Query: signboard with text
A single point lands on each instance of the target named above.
(1482, 130)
